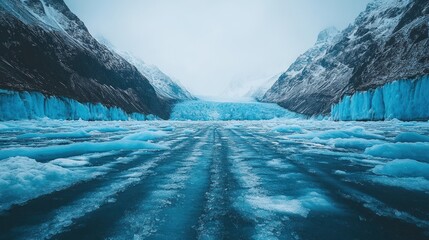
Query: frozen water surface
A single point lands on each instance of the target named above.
(276, 179)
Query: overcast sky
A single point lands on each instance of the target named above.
(210, 45)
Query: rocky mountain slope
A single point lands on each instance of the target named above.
(387, 42)
(45, 48)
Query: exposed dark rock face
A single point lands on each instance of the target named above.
(44, 47)
(387, 42)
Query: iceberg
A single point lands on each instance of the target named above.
(404, 100)
(34, 105)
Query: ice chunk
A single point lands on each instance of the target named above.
(278, 204)
(406, 173)
(340, 172)
(410, 183)
(358, 132)
(105, 129)
(23, 178)
(354, 132)
(75, 134)
(417, 151)
(288, 129)
(411, 137)
(403, 168)
(66, 162)
(168, 128)
(277, 163)
(356, 143)
(77, 149)
(146, 135)
(188, 131)
(299, 206)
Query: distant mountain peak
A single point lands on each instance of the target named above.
(327, 34)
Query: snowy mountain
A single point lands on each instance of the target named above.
(387, 42)
(46, 48)
(164, 86)
(288, 79)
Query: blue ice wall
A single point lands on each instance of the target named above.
(33, 105)
(208, 111)
(404, 100)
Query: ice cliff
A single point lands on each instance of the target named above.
(33, 105)
(403, 100)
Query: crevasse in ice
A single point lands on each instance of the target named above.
(32, 105)
(403, 99)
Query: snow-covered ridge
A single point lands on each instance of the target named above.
(403, 100)
(34, 105)
(164, 86)
(325, 39)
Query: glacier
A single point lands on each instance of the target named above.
(403, 99)
(34, 105)
(200, 110)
